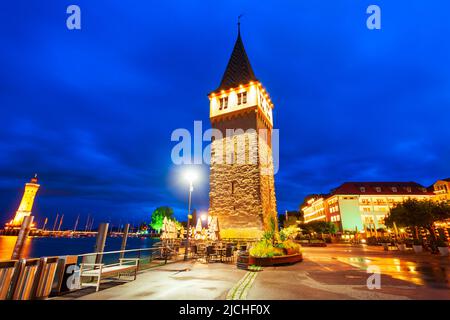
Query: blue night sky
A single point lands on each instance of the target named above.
(92, 111)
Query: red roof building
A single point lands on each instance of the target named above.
(358, 206)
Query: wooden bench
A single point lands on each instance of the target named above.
(7, 269)
(101, 271)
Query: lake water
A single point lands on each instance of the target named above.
(45, 247)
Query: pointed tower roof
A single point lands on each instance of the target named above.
(239, 70)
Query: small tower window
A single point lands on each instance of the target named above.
(242, 98)
(233, 187)
(223, 103)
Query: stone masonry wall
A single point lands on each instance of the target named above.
(242, 193)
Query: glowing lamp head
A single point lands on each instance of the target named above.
(203, 217)
(190, 176)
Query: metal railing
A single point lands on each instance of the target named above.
(26, 279)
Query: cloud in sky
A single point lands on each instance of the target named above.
(92, 111)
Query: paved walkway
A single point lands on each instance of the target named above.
(335, 272)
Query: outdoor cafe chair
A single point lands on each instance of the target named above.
(211, 254)
(228, 254)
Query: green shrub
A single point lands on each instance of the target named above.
(290, 232)
(262, 249)
(265, 249)
(289, 244)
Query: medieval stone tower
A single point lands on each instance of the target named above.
(242, 193)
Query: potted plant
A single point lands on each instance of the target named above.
(442, 247)
(417, 245)
(401, 245)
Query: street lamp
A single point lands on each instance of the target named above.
(190, 177)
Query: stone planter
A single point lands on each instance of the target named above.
(443, 251)
(289, 252)
(274, 261)
(401, 246)
(417, 248)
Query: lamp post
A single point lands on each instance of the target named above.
(190, 177)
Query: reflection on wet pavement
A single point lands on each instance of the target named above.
(418, 273)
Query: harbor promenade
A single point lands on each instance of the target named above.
(334, 272)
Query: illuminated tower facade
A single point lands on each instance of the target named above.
(242, 192)
(26, 205)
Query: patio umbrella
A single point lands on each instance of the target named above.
(211, 229)
(165, 229)
(173, 229)
(198, 228)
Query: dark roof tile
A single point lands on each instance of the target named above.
(239, 70)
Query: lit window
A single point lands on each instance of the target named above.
(242, 98)
(223, 103)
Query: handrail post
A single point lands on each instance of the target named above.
(124, 240)
(165, 255)
(101, 240)
(22, 237)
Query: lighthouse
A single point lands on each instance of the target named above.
(26, 204)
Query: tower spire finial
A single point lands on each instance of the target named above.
(239, 23)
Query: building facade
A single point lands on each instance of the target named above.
(242, 192)
(442, 190)
(361, 205)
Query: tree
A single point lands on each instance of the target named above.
(158, 217)
(413, 213)
(290, 218)
(322, 227)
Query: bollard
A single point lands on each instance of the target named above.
(101, 240)
(22, 237)
(124, 240)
